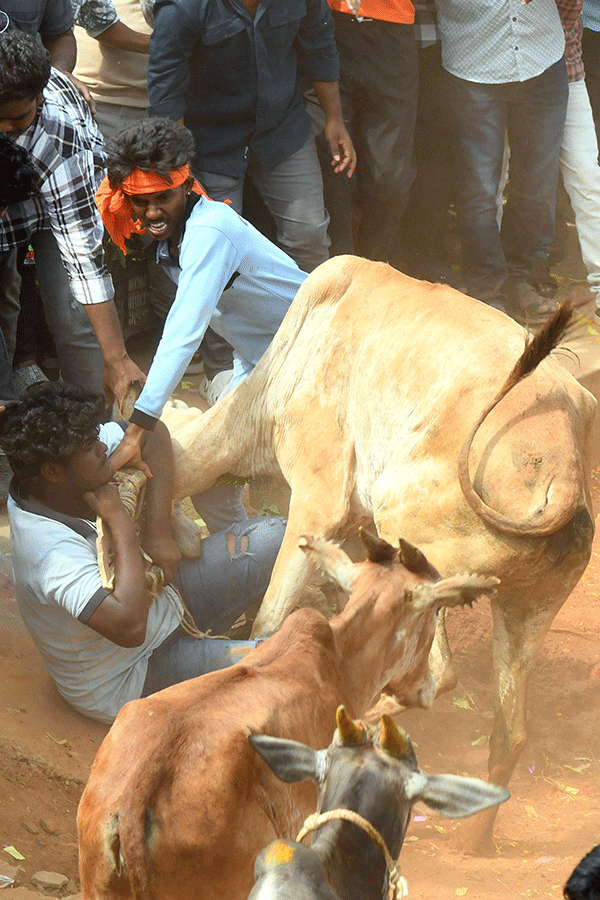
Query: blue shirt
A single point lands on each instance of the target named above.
(218, 245)
(499, 41)
(236, 80)
(48, 17)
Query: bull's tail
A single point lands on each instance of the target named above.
(128, 839)
(537, 349)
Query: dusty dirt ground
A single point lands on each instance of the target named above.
(551, 820)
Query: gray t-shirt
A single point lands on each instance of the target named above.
(58, 587)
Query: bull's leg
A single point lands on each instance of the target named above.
(318, 507)
(440, 658)
(517, 638)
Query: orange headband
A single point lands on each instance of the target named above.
(150, 183)
(115, 206)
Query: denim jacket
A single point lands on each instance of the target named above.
(237, 80)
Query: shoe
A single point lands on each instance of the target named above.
(540, 278)
(215, 388)
(527, 307)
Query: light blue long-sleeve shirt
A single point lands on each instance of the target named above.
(218, 243)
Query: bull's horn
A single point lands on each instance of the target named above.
(350, 732)
(378, 550)
(394, 740)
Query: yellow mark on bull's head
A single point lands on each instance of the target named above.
(279, 853)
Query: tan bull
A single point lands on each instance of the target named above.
(363, 403)
(178, 804)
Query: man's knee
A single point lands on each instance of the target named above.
(306, 238)
(260, 537)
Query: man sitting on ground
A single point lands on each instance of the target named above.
(105, 647)
(228, 274)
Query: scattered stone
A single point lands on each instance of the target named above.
(48, 827)
(50, 881)
(8, 871)
(30, 828)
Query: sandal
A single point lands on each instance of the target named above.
(528, 308)
(540, 278)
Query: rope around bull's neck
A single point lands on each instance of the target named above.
(397, 883)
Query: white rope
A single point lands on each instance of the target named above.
(397, 883)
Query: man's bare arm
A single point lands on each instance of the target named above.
(336, 133)
(123, 614)
(120, 370)
(122, 37)
(158, 542)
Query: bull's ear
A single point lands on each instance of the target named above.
(331, 559)
(289, 760)
(456, 797)
(378, 550)
(412, 558)
(456, 591)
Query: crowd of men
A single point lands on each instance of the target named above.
(335, 126)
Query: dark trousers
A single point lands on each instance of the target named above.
(7, 388)
(425, 222)
(533, 113)
(378, 87)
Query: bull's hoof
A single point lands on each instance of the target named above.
(446, 682)
(475, 837)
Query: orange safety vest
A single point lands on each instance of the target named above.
(401, 11)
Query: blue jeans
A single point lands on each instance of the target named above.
(217, 588)
(293, 192)
(532, 112)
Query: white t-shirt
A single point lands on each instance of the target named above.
(58, 587)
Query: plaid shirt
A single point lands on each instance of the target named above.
(426, 30)
(67, 153)
(570, 16)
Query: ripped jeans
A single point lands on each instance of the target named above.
(232, 573)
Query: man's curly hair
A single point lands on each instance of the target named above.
(49, 424)
(17, 175)
(152, 145)
(24, 66)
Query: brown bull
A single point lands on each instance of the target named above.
(370, 389)
(178, 804)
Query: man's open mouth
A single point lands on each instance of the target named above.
(157, 228)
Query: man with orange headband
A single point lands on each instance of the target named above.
(227, 273)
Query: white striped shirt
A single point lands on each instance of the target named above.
(499, 41)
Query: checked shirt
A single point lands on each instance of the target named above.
(67, 153)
